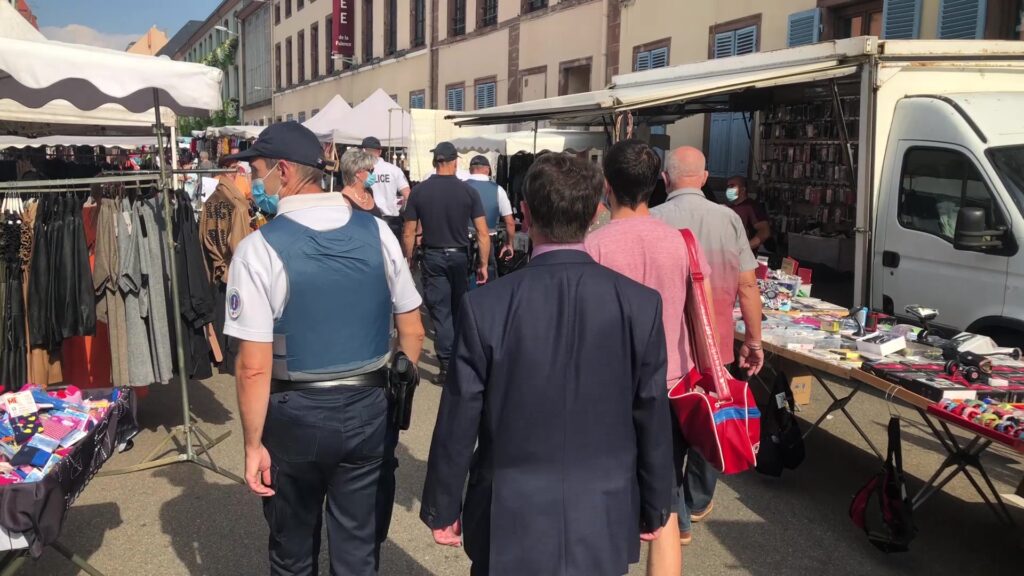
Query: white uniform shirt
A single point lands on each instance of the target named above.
(390, 180)
(257, 283)
(504, 206)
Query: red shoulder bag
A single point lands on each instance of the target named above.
(717, 414)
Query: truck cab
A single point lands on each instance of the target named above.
(949, 213)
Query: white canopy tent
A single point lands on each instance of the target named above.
(377, 116)
(329, 117)
(12, 25)
(129, 142)
(552, 140)
(247, 132)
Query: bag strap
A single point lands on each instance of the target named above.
(894, 457)
(708, 345)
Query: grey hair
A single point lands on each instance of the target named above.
(354, 160)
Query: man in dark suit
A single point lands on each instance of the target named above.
(558, 382)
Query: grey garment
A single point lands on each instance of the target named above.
(134, 294)
(152, 249)
(109, 304)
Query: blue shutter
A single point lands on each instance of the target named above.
(739, 148)
(746, 40)
(962, 19)
(725, 44)
(659, 58)
(719, 143)
(486, 96)
(456, 99)
(901, 19)
(416, 101)
(643, 61)
(804, 27)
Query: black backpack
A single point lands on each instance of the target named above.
(782, 443)
(897, 511)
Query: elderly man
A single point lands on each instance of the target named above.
(751, 213)
(389, 184)
(312, 369)
(556, 408)
(724, 240)
(496, 207)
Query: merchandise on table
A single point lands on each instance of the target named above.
(38, 429)
(1002, 418)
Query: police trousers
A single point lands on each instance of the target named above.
(445, 282)
(334, 444)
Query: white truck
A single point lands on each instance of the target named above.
(938, 151)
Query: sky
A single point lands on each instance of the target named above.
(115, 23)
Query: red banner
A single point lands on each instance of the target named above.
(344, 33)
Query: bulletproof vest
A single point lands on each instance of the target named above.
(337, 319)
(489, 198)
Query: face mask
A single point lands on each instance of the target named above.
(370, 181)
(267, 203)
(731, 194)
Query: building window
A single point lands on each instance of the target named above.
(367, 30)
(962, 19)
(314, 50)
(301, 53)
(302, 115)
(859, 19)
(803, 27)
(419, 23)
(456, 17)
(391, 26)
(417, 100)
(277, 13)
(289, 117)
(328, 44)
(729, 132)
(901, 19)
(315, 110)
(574, 76)
(649, 59)
(486, 93)
(289, 79)
(487, 13)
(533, 5)
(456, 98)
(277, 66)
(299, 5)
(278, 119)
(287, 8)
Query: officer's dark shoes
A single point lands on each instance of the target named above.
(442, 374)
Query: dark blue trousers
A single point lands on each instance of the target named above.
(445, 282)
(332, 444)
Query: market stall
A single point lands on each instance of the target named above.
(953, 396)
(329, 117)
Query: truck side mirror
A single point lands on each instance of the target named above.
(971, 234)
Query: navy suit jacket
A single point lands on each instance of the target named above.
(556, 407)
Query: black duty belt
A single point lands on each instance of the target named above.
(445, 248)
(376, 379)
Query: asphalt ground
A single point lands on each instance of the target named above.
(185, 520)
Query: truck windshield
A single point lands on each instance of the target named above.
(1009, 163)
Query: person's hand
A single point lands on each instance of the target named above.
(257, 471)
(650, 536)
(450, 536)
(481, 275)
(507, 249)
(751, 357)
(755, 243)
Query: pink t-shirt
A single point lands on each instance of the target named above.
(652, 253)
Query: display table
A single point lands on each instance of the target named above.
(32, 514)
(962, 458)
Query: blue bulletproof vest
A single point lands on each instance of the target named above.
(337, 320)
(489, 198)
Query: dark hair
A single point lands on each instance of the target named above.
(632, 169)
(562, 192)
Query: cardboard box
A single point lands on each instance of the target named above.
(800, 381)
(881, 344)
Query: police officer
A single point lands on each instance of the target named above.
(389, 184)
(312, 295)
(443, 205)
(496, 207)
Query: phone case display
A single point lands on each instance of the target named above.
(804, 179)
(998, 420)
(941, 380)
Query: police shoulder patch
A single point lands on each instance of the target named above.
(234, 303)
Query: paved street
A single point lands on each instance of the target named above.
(184, 520)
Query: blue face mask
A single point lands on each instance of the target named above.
(370, 181)
(267, 203)
(732, 194)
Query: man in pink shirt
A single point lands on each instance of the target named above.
(647, 250)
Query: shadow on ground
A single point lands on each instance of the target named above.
(161, 408)
(84, 530)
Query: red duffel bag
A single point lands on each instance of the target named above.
(717, 414)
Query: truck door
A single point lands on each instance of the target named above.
(919, 263)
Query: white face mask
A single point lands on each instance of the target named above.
(732, 194)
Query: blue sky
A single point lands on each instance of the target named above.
(114, 23)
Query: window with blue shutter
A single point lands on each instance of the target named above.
(417, 101)
(804, 27)
(729, 141)
(456, 99)
(901, 19)
(962, 19)
(650, 59)
(486, 95)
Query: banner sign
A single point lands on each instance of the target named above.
(344, 32)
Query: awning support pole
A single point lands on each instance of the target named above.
(844, 135)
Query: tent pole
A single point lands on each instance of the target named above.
(534, 139)
(188, 426)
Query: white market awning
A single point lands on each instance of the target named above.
(129, 142)
(510, 143)
(61, 118)
(379, 116)
(329, 117)
(247, 132)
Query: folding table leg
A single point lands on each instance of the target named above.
(839, 404)
(12, 562)
(76, 559)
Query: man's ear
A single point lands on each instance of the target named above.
(527, 219)
(706, 176)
